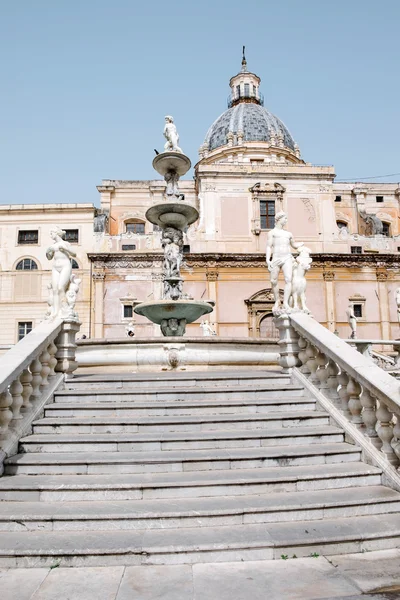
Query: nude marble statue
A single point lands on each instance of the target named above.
(279, 257)
(64, 285)
(352, 321)
(171, 135)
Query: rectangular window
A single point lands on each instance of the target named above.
(238, 91)
(24, 327)
(128, 247)
(246, 90)
(386, 229)
(186, 249)
(267, 214)
(379, 198)
(357, 308)
(356, 249)
(254, 90)
(28, 236)
(72, 235)
(135, 227)
(338, 199)
(128, 311)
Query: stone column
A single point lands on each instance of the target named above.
(384, 314)
(329, 277)
(98, 291)
(212, 278)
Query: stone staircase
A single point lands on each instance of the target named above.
(188, 467)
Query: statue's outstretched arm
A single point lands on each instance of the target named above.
(294, 244)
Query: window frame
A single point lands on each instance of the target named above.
(134, 222)
(22, 261)
(77, 238)
(27, 243)
(269, 217)
(380, 199)
(388, 226)
(19, 323)
(338, 198)
(359, 249)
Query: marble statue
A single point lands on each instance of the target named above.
(207, 328)
(172, 189)
(397, 292)
(301, 265)
(374, 223)
(279, 257)
(171, 135)
(173, 327)
(172, 242)
(173, 289)
(64, 284)
(352, 321)
(100, 222)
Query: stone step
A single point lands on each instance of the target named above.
(179, 423)
(192, 484)
(195, 545)
(177, 379)
(175, 461)
(101, 442)
(150, 394)
(195, 512)
(85, 408)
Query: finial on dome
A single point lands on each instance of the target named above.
(244, 62)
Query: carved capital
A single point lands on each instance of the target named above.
(212, 275)
(98, 276)
(382, 275)
(329, 275)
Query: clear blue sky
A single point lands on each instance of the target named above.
(86, 84)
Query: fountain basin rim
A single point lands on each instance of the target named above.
(189, 213)
(190, 310)
(171, 161)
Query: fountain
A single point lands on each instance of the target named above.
(173, 215)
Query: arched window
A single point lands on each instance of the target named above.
(341, 225)
(134, 227)
(75, 264)
(268, 329)
(26, 264)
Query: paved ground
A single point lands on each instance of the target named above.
(372, 575)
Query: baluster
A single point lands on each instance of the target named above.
(343, 394)
(5, 412)
(333, 382)
(322, 372)
(312, 364)
(26, 380)
(302, 343)
(44, 359)
(385, 432)
(354, 404)
(36, 369)
(16, 390)
(52, 349)
(396, 438)
(368, 403)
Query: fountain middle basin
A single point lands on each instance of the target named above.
(190, 310)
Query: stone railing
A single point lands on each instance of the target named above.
(29, 374)
(387, 362)
(364, 394)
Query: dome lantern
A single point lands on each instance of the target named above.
(245, 87)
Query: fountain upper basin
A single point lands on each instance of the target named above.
(172, 161)
(175, 214)
(190, 310)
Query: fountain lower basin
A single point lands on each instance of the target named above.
(190, 310)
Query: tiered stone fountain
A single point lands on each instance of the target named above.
(173, 215)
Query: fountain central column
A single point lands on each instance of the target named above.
(173, 215)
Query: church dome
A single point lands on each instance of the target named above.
(253, 122)
(247, 120)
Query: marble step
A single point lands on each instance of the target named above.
(179, 423)
(85, 408)
(88, 463)
(195, 545)
(187, 440)
(191, 484)
(195, 512)
(177, 379)
(150, 394)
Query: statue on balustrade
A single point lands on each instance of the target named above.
(207, 329)
(64, 285)
(279, 257)
(397, 292)
(352, 321)
(171, 135)
(301, 264)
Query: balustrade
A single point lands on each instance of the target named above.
(30, 372)
(365, 394)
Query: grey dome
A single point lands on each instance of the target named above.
(255, 121)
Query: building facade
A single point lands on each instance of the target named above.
(249, 169)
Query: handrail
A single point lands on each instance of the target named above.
(29, 374)
(366, 394)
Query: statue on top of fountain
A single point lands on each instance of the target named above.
(171, 135)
